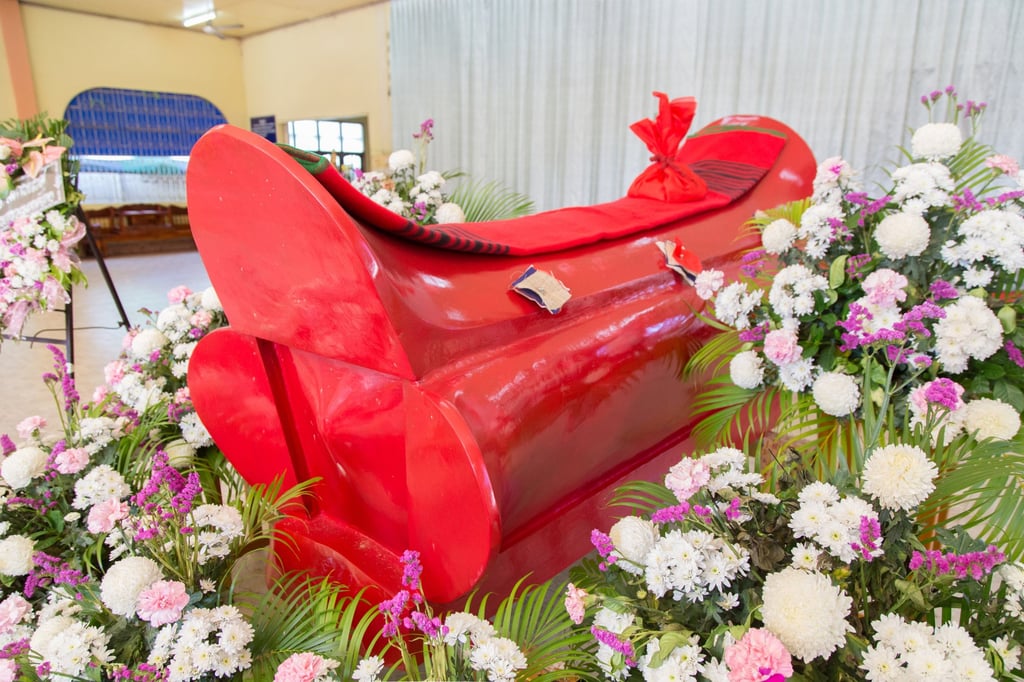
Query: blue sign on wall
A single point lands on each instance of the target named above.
(264, 126)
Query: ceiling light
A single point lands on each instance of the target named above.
(200, 18)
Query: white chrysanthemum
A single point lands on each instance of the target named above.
(682, 665)
(23, 466)
(833, 178)
(836, 394)
(633, 538)
(499, 657)
(734, 304)
(1009, 654)
(194, 431)
(899, 476)
(936, 141)
(990, 418)
(806, 612)
(210, 300)
(818, 228)
(401, 159)
(919, 186)
(449, 213)
(708, 282)
(969, 330)
(746, 369)
(125, 580)
(900, 235)
(16, 555)
(792, 291)
(797, 376)
(994, 235)
(369, 669)
(101, 483)
(778, 236)
(463, 627)
(147, 341)
(805, 556)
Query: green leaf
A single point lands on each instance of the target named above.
(912, 592)
(1009, 393)
(486, 201)
(837, 272)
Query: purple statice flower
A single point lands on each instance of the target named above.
(870, 533)
(144, 672)
(392, 609)
(973, 564)
(754, 333)
(195, 333)
(431, 627)
(67, 380)
(411, 569)
(7, 445)
(612, 640)
(43, 670)
(1012, 352)
(912, 320)
(426, 130)
(941, 289)
(671, 514)
(1005, 197)
(855, 265)
(943, 391)
(966, 202)
(732, 512)
(419, 211)
(50, 570)
(701, 511)
(752, 262)
(604, 546)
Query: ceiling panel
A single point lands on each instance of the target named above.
(255, 16)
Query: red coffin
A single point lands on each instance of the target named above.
(442, 411)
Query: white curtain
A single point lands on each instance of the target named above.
(539, 94)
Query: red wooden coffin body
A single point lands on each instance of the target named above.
(443, 412)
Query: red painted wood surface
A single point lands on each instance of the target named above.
(441, 411)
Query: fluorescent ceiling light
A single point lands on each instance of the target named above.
(200, 18)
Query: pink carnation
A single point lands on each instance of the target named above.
(885, 287)
(758, 657)
(302, 667)
(687, 477)
(201, 319)
(27, 426)
(113, 372)
(178, 294)
(12, 610)
(161, 603)
(9, 670)
(104, 515)
(782, 347)
(1005, 163)
(72, 460)
(574, 603)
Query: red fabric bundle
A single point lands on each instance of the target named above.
(668, 178)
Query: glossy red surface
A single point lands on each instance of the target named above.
(443, 412)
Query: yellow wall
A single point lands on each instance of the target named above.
(72, 52)
(332, 67)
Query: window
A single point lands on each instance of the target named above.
(342, 140)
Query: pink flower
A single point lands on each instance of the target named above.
(178, 294)
(687, 477)
(574, 603)
(12, 610)
(161, 603)
(303, 667)
(201, 319)
(9, 670)
(104, 515)
(53, 293)
(71, 461)
(1004, 163)
(885, 287)
(27, 426)
(782, 347)
(113, 372)
(758, 657)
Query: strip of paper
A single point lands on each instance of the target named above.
(543, 289)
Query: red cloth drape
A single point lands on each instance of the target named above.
(668, 178)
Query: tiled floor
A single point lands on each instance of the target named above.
(140, 281)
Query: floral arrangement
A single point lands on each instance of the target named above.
(712, 579)
(904, 304)
(407, 188)
(38, 262)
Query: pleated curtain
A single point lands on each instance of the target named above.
(539, 94)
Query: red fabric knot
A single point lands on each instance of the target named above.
(668, 178)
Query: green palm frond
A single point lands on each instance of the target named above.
(301, 614)
(714, 355)
(642, 497)
(981, 492)
(485, 201)
(791, 211)
(725, 411)
(534, 617)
